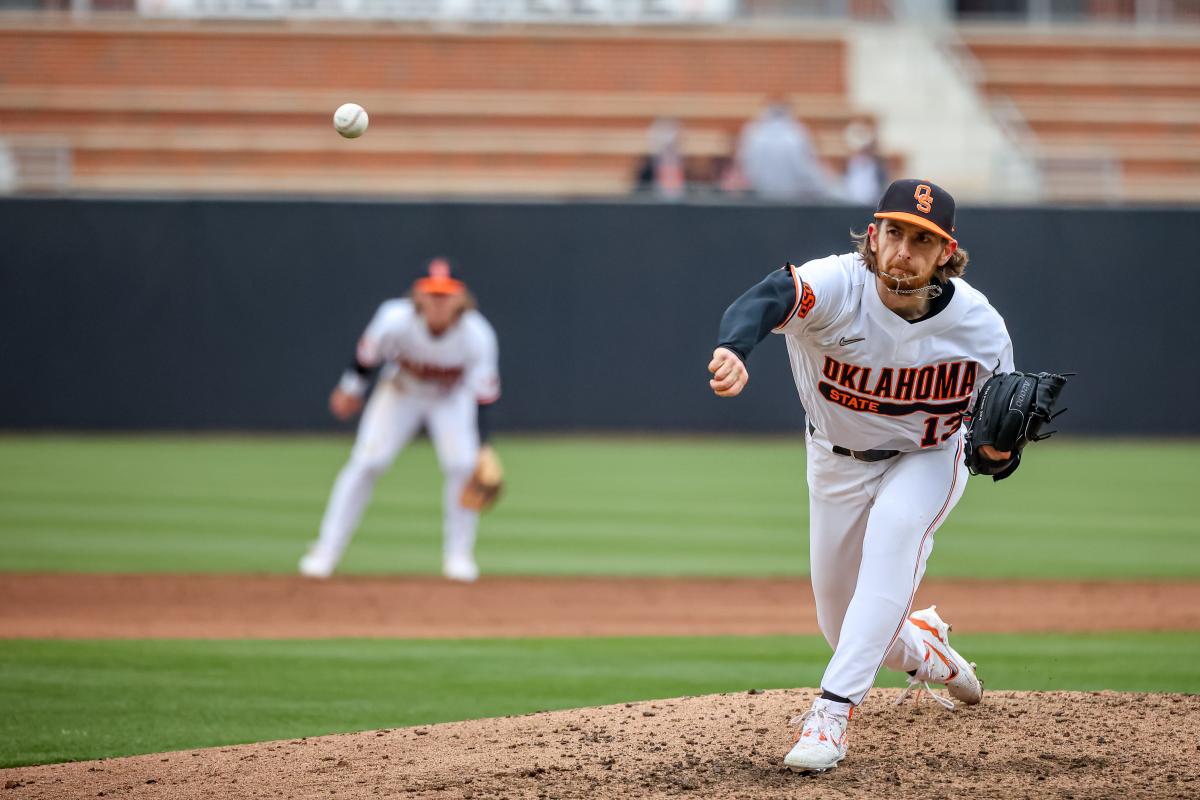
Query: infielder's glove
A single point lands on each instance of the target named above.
(486, 482)
(1009, 413)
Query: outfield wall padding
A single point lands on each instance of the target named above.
(241, 314)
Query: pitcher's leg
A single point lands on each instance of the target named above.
(915, 496)
(839, 499)
(452, 425)
(389, 421)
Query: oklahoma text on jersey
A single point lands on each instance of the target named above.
(433, 373)
(925, 386)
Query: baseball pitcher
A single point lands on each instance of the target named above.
(889, 347)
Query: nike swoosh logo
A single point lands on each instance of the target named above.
(844, 341)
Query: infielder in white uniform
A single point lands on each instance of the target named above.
(439, 359)
(887, 345)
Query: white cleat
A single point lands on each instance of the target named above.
(317, 565)
(460, 568)
(824, 737)
(942, 664)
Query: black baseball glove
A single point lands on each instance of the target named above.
(1009, 413)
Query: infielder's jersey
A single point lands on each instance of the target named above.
(867, 377)
(465, 356)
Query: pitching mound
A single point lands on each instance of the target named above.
(1016, 744)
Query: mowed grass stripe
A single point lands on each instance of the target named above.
(574, 506)
(68, 700)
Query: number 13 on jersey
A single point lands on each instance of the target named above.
(950, 425)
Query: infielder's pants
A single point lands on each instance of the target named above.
(871, 529)
(389, 421)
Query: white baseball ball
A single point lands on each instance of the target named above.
(350, 120)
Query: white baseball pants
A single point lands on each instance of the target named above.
(871, 530)
(389, 421)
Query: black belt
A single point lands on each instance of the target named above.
(860, 455)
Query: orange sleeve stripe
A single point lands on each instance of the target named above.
(799, 294)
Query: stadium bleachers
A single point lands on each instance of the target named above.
(1127, 100)
(146, 105)
(517, 111)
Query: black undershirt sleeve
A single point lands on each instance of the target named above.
(363, 371)
(484, 423)
(765, 306)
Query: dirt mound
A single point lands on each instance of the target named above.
(1015, 744)
(206, 606)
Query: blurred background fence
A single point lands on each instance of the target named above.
(242, 314)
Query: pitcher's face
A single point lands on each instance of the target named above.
(908, 253)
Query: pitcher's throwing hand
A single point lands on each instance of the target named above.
(729, 374)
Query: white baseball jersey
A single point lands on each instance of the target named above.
(870, 379)
(431, 381)
(416, 361)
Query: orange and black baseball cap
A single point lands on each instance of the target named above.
(922, 203)
(439, 281)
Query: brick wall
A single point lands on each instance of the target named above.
(228, 131)
(408, 60)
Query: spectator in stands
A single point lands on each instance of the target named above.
(866, 170)
(8, 169)
(662, 170)
(776, 156)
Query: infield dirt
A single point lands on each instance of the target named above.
(215, 606)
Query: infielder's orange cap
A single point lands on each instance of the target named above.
(923, 203)
(439, 280)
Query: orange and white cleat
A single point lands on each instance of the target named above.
(942, 664)
(824, 736)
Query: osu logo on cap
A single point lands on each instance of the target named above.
(911, 200)
(924, 197)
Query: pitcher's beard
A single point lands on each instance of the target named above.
(896, 285)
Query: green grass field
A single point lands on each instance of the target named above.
(92, 699)
(575, 506)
